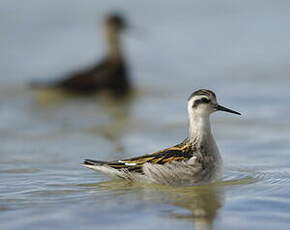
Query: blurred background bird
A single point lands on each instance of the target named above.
(109, 75)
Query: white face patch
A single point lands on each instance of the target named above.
(202, 104)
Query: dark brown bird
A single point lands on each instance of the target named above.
(109, 75)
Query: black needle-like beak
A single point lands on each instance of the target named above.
(221, 108)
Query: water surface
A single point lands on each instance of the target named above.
(239, 49)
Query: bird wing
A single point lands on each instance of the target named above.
(85, 77)
(177, 153)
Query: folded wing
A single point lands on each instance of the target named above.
(174, 154)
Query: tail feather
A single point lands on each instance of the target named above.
(107, 168)
(94, 162)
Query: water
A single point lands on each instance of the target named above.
(239, 49)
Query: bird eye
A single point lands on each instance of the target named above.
(204, 100)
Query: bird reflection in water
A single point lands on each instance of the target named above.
(199, 204)
(119, 122)
(202, 202)
(106, 83)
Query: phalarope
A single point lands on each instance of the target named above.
(194, 161)
(109, 75)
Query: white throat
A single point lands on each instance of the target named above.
(202, 140)
(199, 127)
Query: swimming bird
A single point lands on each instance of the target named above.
(109, 75)
(194, 161)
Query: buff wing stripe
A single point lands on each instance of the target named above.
(177, 153)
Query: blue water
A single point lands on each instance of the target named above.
(239, 49)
